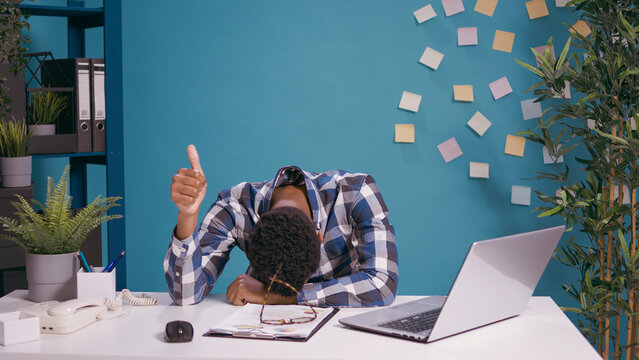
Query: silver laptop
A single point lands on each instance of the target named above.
(494, 283)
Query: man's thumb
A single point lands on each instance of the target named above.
(194, 158)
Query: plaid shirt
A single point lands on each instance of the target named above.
(358, 258)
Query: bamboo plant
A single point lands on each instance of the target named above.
(598, 128)
(55, 229)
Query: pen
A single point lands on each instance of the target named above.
(86, 266)
(113, 263)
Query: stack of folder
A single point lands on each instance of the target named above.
(86, 76)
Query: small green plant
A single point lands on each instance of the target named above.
(45, 107)
(55, 229)
(14, 138)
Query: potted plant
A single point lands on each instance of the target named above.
(15, 161)
(12, 63)
(600, 123)
(43, 110)
(52, 236)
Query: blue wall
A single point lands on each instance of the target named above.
(257, 85)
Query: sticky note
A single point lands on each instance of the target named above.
(479, 123)
(581, 27)
(531, 109)
(486, 7)
(404, 133)
(424, 14)
(503, 41)
(479, 170)
(449, 149)
(463, 93)
(562, 3)
(549, 159)
(452, 7)
(626, 194)
(515, 145)
(410, 101)
(566, 92)
(540, 50)
(431, 58)
(466, 36)
(537, 9)
(500, 88)
(520, 195)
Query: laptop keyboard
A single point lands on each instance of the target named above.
(414, 323)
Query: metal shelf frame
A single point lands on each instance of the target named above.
(79, 19)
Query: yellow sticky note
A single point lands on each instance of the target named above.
(404, 133)
(463, 92)
(503, 41)
(515, 145)
(486, 7)
(537, 9)
(581, 27)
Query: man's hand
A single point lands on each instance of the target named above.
(246, 289)
(187, 192)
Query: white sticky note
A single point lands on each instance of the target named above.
(450, 150)
(500, 88)
(479, 123)
(452, 7)
(479, 170)
(424, 14)
(626, 194)
(562, 3)
(520, 195)
(410, 101)
(531, 109)
(549, 159)
(466, 36)
(431, 58)
(566, 91)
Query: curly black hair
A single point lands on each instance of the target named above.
(284, 236)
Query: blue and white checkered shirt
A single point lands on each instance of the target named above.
(358, 259)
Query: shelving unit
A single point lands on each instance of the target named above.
(79, 19)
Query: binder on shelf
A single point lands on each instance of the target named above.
(73, 73)
(98, 105)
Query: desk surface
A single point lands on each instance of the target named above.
(542, 331)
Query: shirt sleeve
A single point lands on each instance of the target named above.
(376, 281)
(192, 265)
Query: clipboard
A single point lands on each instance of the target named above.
(259, 334)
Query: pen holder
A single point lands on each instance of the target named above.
(96, 285)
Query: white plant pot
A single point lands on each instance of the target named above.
(15, 171)
(42, 129)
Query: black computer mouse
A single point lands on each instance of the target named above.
(178, 331)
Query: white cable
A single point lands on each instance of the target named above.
(116, 303)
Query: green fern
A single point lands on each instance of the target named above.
(55, 229)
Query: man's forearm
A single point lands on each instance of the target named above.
(186, 225)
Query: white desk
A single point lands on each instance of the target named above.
(541, 332)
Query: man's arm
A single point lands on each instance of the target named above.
(376, 281)
(194, 261)
(192, 265)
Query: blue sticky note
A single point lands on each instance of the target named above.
(520, 195)
(531, 109)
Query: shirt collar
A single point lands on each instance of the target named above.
(293, 175)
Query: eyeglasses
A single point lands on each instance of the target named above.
(295, 320)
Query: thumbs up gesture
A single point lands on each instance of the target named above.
(189, 186)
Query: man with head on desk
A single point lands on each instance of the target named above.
(355, 263)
